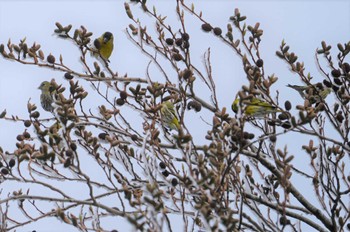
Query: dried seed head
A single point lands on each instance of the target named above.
(120, 101)
(185, 36)
(287, 105)
(346, 67)
(5, 171)
(68, 76)
(335, 73)
(97, 44)
(273, 138)
(51, 59)
(165, 173)
(217, 31)
(177, 57)
(102, 136)
(259, 63)
(283, 116)
(187, 73)
(174, 182)
(340, 118)
(179, 41)
(169, 41)
(12, 163)
(73, 146)
(69, 153)
(337, 81)
(162, 165)
(327, 83)
(134, 137)
(123, 95)
(20, 138)
(26, 135)
(206, 27)
(27, 123)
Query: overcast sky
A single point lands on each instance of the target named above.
(302, 24)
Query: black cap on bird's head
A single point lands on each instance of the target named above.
(107, 36)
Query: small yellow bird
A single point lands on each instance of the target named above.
(46, 98)
(254, 107)
(104, 45)
(169, 116)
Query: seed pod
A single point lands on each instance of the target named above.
(340, 118)
(174, 182)
(337, 81)
(287, 105)
(178, 41)
(177, 57)
(185, 36)
(12, 163)
(283, 116)
(169, 41)
(102, 136)
(123, 95)
(217, 31)
(335, 73)
(68, 76)
(120, 102)
(273, 138)
(5, 171)
(286, 125)
(327, 83)
(97, 44)
(187, 73)
(259, 63)
(206, 27)
(67, 163)
(73, 146)
(185, 45)
(134, 137)
(346, 67)
(27, 123)
(69, 153)
(51, 59)
(165, 173)
(26, 135)
(162, 165)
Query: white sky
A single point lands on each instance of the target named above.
(303, 25)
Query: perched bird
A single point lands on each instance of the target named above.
(299, 88)
(168, 116)
(104, 45)
(305, 91)
(254, 107)
(46, 98)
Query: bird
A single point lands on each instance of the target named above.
(317, 92)
(46, 98)
(254, 107)
(169, 117)
(104, 45)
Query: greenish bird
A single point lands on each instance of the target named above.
(254, 107)
(168, 116)
(104, 45)
(315, 98)
(46, 98)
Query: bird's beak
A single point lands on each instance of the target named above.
(105, 40)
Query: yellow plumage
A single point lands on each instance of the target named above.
(104, 45)
(254, 107)
(169, 117)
